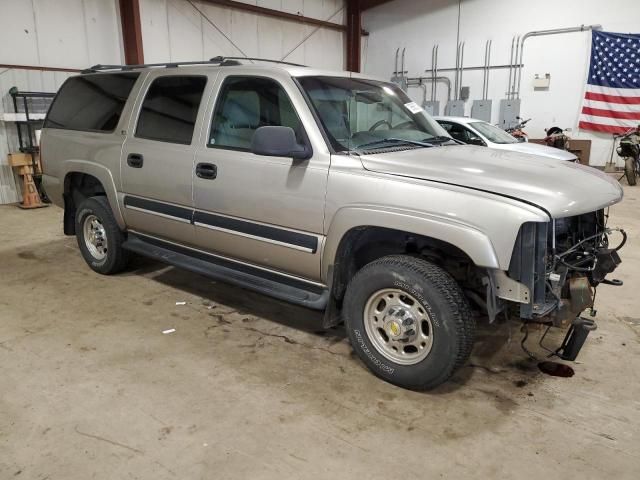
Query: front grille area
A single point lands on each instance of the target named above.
(547, 256)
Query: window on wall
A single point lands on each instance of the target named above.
(170, 109)
(91, 102)
(245, 104)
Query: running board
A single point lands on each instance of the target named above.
(270, 283)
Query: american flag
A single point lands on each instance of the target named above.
(612, 98)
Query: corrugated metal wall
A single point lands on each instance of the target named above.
(29, 80)
(79, 33)
(173, 30)
(52, 33)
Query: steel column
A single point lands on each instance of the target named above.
(131, 32)
(354, 28)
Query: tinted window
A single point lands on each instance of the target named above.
(91, 102)
(170, 109)
(244, 105)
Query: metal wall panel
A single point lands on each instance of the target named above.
(61, 33)
(24, 80)
(173, 30)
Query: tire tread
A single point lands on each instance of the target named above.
(445, 284)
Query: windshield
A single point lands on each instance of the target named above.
(494, 134)
(366, 114)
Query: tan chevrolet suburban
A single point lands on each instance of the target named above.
(333, 191)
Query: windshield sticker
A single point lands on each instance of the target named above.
(413, 107)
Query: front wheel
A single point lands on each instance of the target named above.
(630, 170)
(408, 321)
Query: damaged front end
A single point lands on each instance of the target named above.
(554, 272)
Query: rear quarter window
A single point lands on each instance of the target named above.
(91, 102)
(170, 109)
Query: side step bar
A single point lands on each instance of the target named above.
(266, 282)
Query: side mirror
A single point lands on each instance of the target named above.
(278, 142)
(476, 141)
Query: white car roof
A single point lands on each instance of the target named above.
(463, 120)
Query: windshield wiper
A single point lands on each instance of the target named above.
(393, 140)
(440, 139)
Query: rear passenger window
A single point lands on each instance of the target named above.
(91, 102)
(170, 109)
(247, 103)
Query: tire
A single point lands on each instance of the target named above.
(630, 170)
(105, 257)
(450, 324)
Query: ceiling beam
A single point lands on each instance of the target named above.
(270, 12)
(131, 32)
(367, 4)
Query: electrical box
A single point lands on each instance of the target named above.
(401, 81)
(454, 108)
(481, 109)
(432, 108)
(464, 93)
(509, 110)
(542, 82)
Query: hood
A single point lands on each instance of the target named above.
(561, 188)
(537, 149)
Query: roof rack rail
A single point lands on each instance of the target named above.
(257, 59)
(220, 61)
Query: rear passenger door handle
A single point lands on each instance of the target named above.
(207, 171)
(135, 160)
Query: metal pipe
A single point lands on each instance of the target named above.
(461, 70)
(445, 80)
(480, 67)
(512, 87)
(402, 63)
(433, 62)
(539, 33)
(455, 74)
(395, 69)
(488, 67)
(435, 75)
(484, 72)
(423, 87)
(511, 62)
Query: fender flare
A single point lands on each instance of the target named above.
(470, 240)
(103, 174)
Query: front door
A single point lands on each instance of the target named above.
(262, 210)
(157, 158)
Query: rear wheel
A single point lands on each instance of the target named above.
(630, 170)
(408, 321)
(99, 237)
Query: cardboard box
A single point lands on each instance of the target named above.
(19, 159)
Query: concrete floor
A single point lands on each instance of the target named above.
(248, 387)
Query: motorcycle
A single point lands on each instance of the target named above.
(517, 130)
(629, 149)
(557, 138)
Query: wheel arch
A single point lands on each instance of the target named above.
(85, 179)
(356, 228)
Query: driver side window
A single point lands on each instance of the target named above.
(455, 130)
(245, 104)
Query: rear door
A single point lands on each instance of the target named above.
(157, 158)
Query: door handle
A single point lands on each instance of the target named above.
(207, 171)
(135, 160)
